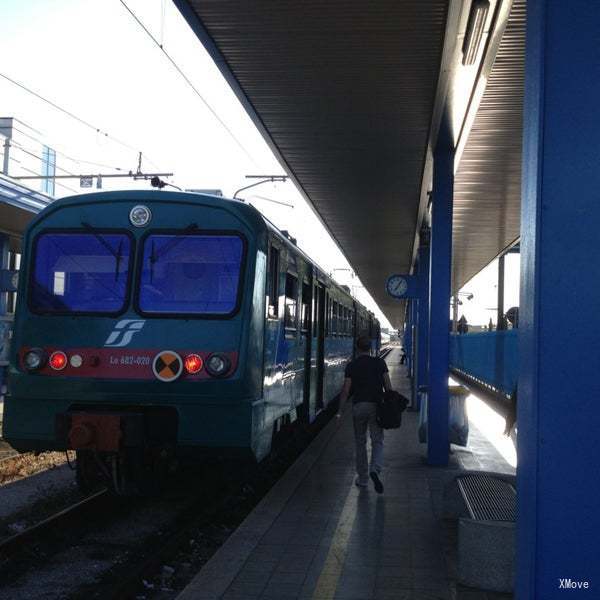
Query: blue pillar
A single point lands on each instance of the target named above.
(439, 302)
(408, 335)
(413, 320)
(423, 322)
(558, 528)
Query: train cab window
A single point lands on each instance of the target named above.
(80, 272)
(193, 274)
(291, 301)
(273, 291)
(306, 304)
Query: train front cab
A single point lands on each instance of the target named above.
(111, 308)
(100, 300)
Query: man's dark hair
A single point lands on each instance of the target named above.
(363, 343)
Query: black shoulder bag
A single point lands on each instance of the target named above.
(389, 410)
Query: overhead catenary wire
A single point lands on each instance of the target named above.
(189, 82)
(98, 130)
(67, 156)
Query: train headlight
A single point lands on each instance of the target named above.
(76, 360)
(140, 216)
(34, 359)
(58, 360)
(217, 365)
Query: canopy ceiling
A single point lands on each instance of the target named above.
(343, 91)
(487, 185)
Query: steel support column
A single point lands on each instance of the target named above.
(500, 321)
(423, 320)
(439, 302)
(414, 317)
(558, 411)
(408, 336)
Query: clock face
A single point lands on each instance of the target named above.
(397, 286)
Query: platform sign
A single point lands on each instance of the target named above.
(402, 286)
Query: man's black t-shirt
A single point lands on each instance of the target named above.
(366, 373)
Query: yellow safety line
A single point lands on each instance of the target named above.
(334, 562)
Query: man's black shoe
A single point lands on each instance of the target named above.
(377, 482)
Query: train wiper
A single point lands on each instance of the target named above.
(154, 256)
(118, 254)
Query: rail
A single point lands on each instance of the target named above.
(78, 511)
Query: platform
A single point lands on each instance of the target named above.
(317, 536)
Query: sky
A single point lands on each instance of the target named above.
(91, 58)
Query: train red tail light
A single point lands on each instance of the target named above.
(58, 360)
(193, 363)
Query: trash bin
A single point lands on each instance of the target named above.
(458, 421)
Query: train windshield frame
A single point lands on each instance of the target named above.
(81, 272)
(191, 274)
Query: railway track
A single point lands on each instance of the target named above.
(205, 507)
(76, 512)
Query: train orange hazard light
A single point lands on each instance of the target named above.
(193, 363)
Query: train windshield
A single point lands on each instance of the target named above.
(80, 272)
(196, 274)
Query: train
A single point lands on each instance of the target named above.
(152, 326)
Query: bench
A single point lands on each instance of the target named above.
(485, 505)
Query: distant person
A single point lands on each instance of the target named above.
(462, 325)
(402, 356)
(365, 380)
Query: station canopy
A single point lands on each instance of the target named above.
(344, 92)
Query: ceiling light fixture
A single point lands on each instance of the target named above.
(475, 28)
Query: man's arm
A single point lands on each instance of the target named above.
(344, 395)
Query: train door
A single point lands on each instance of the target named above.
(319, 341)
(306, 331)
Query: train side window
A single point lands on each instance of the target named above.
(305, 311)
(315, 303)
(334, 320)
(346, 327)
(291, 301)
(327, 315)
(273, 291)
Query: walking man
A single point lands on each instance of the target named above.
(365, 380)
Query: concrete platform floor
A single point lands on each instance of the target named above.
(317, 536)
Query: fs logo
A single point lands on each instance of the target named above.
(123, 332)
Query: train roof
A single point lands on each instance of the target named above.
(248, 213)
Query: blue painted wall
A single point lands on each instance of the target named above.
(492, 357)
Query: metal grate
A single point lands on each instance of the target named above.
(488, 498)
